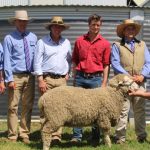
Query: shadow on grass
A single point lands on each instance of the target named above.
(36, 143)
(3, 136)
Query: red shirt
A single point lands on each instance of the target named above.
(89, 56)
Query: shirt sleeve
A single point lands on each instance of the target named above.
(7, 57)
(75, 55)
(69, 55)
(106, 57)
(146, 67)
(38, 58)
(115, 60)
(1, 57)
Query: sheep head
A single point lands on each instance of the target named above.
(124, 82)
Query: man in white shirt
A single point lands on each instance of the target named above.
(52, 61)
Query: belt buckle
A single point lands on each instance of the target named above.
(87, 75)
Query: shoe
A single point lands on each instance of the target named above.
(75, 140)
(141, 140)
(56, 140)
(25, 140)
(94, 142)
(119, 141)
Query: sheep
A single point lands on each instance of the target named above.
(78, 107)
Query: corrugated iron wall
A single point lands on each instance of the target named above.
(77, 18)
(97, 2)
(13, 2)
(146, 38)
(63, 2)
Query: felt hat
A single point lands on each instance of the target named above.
(20, 15)
(56, 20)
(127, 22)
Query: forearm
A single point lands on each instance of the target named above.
(1, 76)
(105, 75)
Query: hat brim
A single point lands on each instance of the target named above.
(12, 20)
(48, 25)
(121, 27)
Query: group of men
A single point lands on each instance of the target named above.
(22, 58)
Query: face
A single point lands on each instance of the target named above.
(21, 25)
(94, 27)
(130, 32)
(56, 30)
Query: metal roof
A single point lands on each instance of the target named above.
(4, 3)
(141, 2)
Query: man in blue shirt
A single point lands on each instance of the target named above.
(19, 48)
(52, 61)
(2, 85)
(131, 56)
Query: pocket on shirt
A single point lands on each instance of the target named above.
(32, 46)
(97, 55)
(32, 43)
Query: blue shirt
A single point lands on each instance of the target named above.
(1, 57)
(52, 57)
(14, 55)
(115, 61)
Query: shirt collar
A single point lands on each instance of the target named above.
(61, 40)
(98, 37)
(128, 42)
(20, 33)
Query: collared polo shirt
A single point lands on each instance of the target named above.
(91, 56)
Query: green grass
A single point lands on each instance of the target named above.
(36, 143)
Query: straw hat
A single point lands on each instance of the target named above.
(56, 20)
(127, 22)
(20, 15)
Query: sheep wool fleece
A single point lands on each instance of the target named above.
(74, 106)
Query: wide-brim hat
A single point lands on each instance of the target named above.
(20, 15)
(128, 22)
(56, 20)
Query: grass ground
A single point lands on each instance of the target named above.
(36, 143)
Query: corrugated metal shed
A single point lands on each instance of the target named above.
(96, 2)
(142, 3)
(13, 2)
(46, 2)
(63, 2)
(77, 17)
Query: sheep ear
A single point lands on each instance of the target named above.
(126, 78)
(113, 83)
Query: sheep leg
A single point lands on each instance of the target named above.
(105, 125)
(46, 136)
(107, 138)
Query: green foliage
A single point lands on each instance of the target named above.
(36, 143)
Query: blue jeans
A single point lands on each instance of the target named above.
(89, 83)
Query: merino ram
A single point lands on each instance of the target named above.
(78, 107)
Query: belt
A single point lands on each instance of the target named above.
(52, 75)
(89, 75)
(23, 72)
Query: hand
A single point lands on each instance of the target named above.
(2, 87)
(42, 86)
(137, 92)
(12, 85)
(138, 78)
(67, 76)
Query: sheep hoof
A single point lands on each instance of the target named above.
(45, 147)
